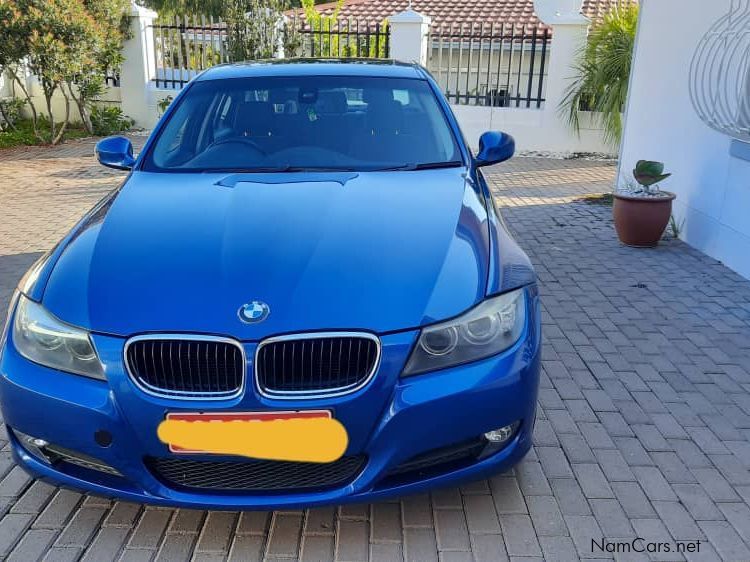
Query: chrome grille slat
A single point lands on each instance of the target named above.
(316, 364)
(186, 366)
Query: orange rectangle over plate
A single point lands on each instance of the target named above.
(241, 416)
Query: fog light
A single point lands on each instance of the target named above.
(33, 445)
(50, 453)
(501, 435)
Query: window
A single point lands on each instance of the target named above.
(304, 122)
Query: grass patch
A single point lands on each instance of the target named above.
(24, 136)
(604, 199)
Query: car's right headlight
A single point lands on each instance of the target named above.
(43, 339)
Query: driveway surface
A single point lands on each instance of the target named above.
(643, 429)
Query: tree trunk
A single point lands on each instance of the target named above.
(48, 98)
(64, 125)
(82, 109)
(34, 116)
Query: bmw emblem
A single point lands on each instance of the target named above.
(254, 312)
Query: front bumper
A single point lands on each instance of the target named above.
(390, 421)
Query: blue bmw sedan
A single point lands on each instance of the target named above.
(301, 294)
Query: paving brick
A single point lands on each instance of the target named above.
(189, 521)
(633, 500)
(613, 465)
(654, 484)
(546, 516)
(481, 516)
(507, 495)
(82, 527)
(34, 498)
(725, 540)
(680, 523)
(106, 545)
(246, 548)
(34, 544)
(179, 547)
(451, 530)
(386, 522)
(216, 535)
(488, 548)
(12, 527)
(315, 547)
(611, 518)
(532, 480)
(520, 537)
(416, 511)
(284, 536)
(123, 514)
(387, 552)
(257, 522)
(570, 497)
(697, 502)
(592, 481)
(150, 528)
(58, 510)
(583, 528)
(420, 545)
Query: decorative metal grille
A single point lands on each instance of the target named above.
(491, 65)
(719, 73)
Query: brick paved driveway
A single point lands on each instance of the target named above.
(644, 425)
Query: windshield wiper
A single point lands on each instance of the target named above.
(422, 166)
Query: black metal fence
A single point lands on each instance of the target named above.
(345, 39)
(490, 64)
(185, 46)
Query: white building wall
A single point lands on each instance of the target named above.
(713, 187)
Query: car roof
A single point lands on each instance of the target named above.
(383, 68)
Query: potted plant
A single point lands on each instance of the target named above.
(642, 213)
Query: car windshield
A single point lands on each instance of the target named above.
(269, 124)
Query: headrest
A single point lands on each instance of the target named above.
(332, 102)
(253, 118)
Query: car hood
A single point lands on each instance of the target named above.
(377, 251)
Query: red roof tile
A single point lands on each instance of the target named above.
(447, 12)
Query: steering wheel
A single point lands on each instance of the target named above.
(239, 140)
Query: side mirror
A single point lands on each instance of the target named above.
(495, 147)
(115, 152)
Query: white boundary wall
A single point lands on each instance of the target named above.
(712, 186)
(542, 130)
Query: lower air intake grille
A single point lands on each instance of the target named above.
(316, 364)
(252, 475)
(189, 368)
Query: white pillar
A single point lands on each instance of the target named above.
(569, 34)
(138, 69)
(409, 31)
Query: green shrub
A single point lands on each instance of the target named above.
(108, 120)
(10, 109)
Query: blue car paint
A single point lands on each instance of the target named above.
(158, 256)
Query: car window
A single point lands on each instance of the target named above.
(277, 123)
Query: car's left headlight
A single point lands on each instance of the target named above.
(43, 339)
(488, 329)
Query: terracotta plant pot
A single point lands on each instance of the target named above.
(640, 221)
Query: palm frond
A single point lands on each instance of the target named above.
(602, 72)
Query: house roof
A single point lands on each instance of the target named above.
(447, 12)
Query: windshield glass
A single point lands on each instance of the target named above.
(305, 122)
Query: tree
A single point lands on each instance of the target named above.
(255, 28)
(61, 39)
(13, 49)
(112, 28)
(603, 72)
